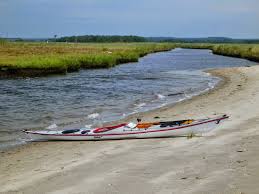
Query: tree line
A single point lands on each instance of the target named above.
(102, 38)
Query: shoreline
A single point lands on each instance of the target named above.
(146, 114)
(222, 161)
(132, 117)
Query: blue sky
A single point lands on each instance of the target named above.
(177, 18)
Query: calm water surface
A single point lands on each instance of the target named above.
(94, 96)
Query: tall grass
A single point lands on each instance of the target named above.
(63, 57)
(50, 58)
(3, 42)
(246, 51)
(250, 52)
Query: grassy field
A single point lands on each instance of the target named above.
(47, 58)
(38, 59)
(246, 51)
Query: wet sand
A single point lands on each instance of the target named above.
(224, 160)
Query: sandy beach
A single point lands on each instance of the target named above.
(224, 160)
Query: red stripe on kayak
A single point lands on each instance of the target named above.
(105, 129)
(131, 133)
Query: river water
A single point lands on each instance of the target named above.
(91, 97)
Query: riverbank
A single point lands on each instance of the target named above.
(222, 161)
(244, 51)
(42, 59)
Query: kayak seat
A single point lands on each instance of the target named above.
(104, 129)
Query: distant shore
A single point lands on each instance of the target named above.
(222, 161)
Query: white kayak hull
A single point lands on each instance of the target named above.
(124, 132)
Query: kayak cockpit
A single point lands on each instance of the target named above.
(68, 131)
(175, 123)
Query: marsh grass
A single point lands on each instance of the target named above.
(67, 57)
(16, 57)
(3, 42)
(250, 52)
(246, 51)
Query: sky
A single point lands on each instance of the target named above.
(170, 18)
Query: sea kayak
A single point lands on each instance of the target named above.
(132, 130)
